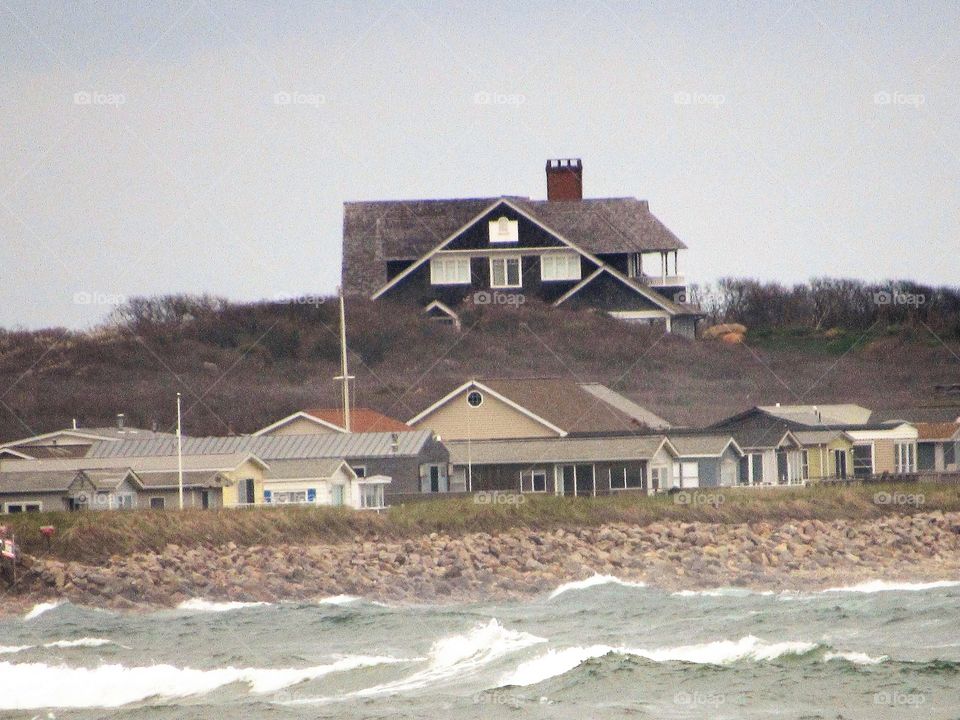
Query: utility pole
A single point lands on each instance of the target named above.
(344, 375)
(179, 454)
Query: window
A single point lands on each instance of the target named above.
(538, 481)
(124, 502)
(289, 497)
(360, 470)
(475, 399)
(23, 507)
(862, 460)
(686, 474)
(504, 229)
(633, 265)
(840, 463)
(560, 266)
(371, 496)
(626, 477)
(505, 272)
(805, 464)
(906, 455)
(157, 503)
(450, 271)
(949, 453)
(336, 495)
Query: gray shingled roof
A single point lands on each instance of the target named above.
(406, 229)
(551, 450)
(191, 479)
(317, 468)
(699, 445)
(277, 447)
(36, 481)
(832, 414)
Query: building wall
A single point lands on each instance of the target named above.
(248, 469)
(171, 498)
(494, 419)
(884, 457)
(49, 501)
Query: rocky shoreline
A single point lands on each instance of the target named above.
(517, 563)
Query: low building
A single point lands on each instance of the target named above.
(323, 481)
(575, 466)
(705, 460)
(827, 454)
(938, 447)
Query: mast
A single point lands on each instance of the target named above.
(179, 455)
(344, 376)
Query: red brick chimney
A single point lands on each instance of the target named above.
(565, 179)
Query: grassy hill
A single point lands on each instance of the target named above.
(240, 366)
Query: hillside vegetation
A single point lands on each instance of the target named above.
(241, 366)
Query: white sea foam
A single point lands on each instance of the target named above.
(38, 685)
(723, 592)
(875, 586)
(82, 642)
(857, 658)
(593, 582)
(721, 652)
(10, 649)
(340, 600)
(451, 658)
(201, 605)
(40, 608)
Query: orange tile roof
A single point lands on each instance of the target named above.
(937, 431)
(361, 419)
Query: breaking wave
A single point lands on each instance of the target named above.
(723, 592)
(201, 605)
(38, 685)
(40, 608)
(450, 658)
(593, 582)
(721, 652)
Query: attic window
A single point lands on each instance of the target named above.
(475, 399)
(503, 230)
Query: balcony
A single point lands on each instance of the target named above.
(664, 280)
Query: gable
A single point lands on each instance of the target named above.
(477, 235)
(298, 426)
(456, 419)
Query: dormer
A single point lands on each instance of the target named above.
(504, 230)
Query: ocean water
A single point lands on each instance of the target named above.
(599, 648)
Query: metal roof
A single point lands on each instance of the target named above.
(277, 447)
(554, 450)
(691, 445)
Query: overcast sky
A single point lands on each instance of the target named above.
(164, 147)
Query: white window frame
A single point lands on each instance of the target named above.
(679, 477)
(805, 464)
(124, 501)
(660, 471)
(505, 259)
(360, 470)
(446, 270)
(377, 490)
(163, 503)
(873, 458)
(533, 487)
(554, 275)
(23, 506)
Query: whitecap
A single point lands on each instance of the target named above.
(201, 605)
(858, 658)
(10, 649)
(82, 642)
(593, 582)
(723, 592)
(720, 652)
(38, 685)
(450, 658)
(874, 586)
(40, 608)
(340, 600)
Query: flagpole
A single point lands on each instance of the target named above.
(344, 375)
(179, 454)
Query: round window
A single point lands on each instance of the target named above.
(475, 399)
